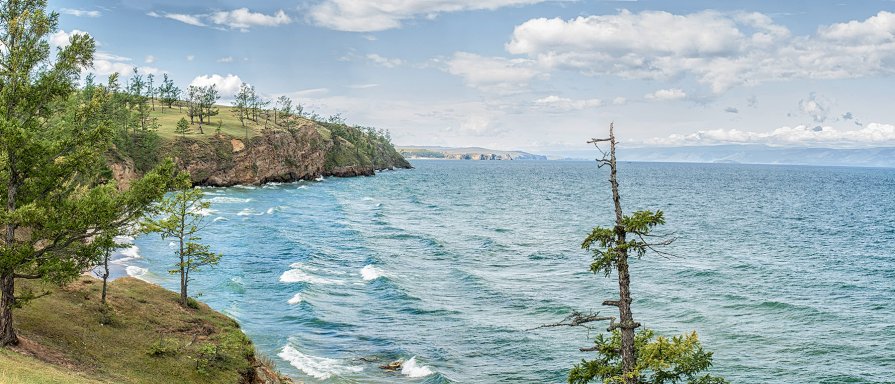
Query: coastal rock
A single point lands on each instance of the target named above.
(305, 152)
(123, 171)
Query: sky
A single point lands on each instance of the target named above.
(535, 75)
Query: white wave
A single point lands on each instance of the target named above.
(127, 254)
(370, 272)
(135, 271)
(298, 275)
(123, 239)
(219, 218)
(295, 299)
(246, 212)
(319, 178)
(271, 210)
(245, 186)
(411, 369)
(203, 211)
(320, 368)
(302, 187)
(227, 199)
(367, 198)
(172, 245)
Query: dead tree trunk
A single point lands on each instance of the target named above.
(626, 323)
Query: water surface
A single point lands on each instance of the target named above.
(786, 272)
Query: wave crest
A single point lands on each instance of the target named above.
(321, 368)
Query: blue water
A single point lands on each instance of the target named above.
(787, 273)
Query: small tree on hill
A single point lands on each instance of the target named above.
(241, 103)
(181, 218)
(151, 90)
(183, 127)
(168, 92)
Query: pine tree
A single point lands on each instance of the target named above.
(181, 219)
(183, 127)
(627, 356)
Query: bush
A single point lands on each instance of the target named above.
(164, 347)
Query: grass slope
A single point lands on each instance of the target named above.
(16, 368)
(226, 120)
(150, 338)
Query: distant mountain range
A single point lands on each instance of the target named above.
(467, 153)
(752, 154)
(728, 154)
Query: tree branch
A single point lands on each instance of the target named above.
(576, 319)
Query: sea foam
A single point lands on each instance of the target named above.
(320, 368)
(295, 299)
(410, 368)
(227, 200)
(370, 272)
(135, 271)
(298, 275)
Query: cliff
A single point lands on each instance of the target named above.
(303, 152)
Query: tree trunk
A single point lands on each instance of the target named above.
(7, 303)
(105, 277)
(183, 269)
(7, 278)
(626, 324)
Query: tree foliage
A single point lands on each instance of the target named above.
(659, 359)
(180, 217)
(52, 167)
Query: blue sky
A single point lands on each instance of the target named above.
(535, 75)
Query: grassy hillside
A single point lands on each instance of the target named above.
(21, 369)
(145, 337)
(226, 120)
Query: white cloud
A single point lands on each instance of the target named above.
(666, 95)
(61, 39)
(384, 61)
(619, 101)
(492, 73)
(227, 59)
(150, 59)
(876, 29)
(370, 16)
(873, 134)
(183, 18)
(363, 86)
(243, 19)
(226, 85)
(566, 104)
(721, 50)
(190, 57)
(81, 12)
(105, 64)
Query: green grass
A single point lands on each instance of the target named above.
(150, 339)
(229, 124)
(21, 369)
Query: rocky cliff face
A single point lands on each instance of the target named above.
(301, 153)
